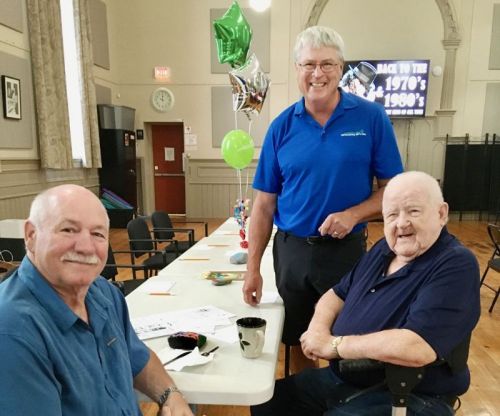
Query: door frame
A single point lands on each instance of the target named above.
(171, 135)
(145, 149)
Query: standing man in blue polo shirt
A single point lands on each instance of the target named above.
(412, 300)
(66, 343)
(314, 180)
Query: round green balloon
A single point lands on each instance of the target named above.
(237, 149)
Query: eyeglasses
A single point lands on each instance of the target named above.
(324, 66)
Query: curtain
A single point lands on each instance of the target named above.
(47, 55)
(89, 106)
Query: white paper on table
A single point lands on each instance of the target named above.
(162, 286)
(270, 297)
(190, 360)
(227, 334)
(203, 320)
(268, 253)
(153, 326)
(166, 354)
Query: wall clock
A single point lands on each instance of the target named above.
(162, 99)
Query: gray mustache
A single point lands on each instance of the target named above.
(72, 256)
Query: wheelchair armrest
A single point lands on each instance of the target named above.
(365, 364)
(401, 381)
(398, 379)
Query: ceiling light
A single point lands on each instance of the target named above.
(260, 5)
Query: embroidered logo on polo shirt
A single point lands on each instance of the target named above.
(353, 133)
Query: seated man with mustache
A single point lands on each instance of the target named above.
(66, 343)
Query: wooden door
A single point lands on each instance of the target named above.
(168, 165)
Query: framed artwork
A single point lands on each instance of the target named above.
(11, 97)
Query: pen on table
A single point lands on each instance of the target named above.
(162, 293)
(193, 258)
(177, 357)
(211, 351)
(205, 354)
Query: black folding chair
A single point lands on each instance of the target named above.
(110, 272)
(141, 244)
(494, 262)
(164, 229)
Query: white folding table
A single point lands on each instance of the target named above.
(229, 379)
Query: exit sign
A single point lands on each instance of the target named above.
(162, 73)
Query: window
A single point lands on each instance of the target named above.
(73, 71)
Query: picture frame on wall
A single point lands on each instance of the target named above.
(11, 97)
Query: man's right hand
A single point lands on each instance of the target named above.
(252, 288)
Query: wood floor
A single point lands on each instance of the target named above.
(483, 397)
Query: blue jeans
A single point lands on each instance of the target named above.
(317, 392)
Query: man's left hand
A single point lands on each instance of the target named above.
(176, 406)
(316, 344)
(338, 224)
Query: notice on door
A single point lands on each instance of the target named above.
(169, 154)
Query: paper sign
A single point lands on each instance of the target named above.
(169, 154)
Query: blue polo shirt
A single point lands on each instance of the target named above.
(53, 363)
(317, 170)
(435, 296)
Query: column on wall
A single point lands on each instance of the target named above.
(450, 47)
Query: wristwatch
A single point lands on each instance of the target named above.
(335, 345)
(166, 394)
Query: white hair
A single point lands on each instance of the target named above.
(41, 206)
(317, 37)
(46, 202)
(426, 183)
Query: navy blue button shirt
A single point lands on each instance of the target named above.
(436, 296)
(53, 363)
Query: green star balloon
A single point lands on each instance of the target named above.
(232, 36)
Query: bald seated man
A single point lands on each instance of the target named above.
(66, 343)
(410, 300)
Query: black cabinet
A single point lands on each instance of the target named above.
(118, 154)
(118, 164)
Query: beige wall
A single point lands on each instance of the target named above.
(152, 33)
(20, 175)
(176, 33)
